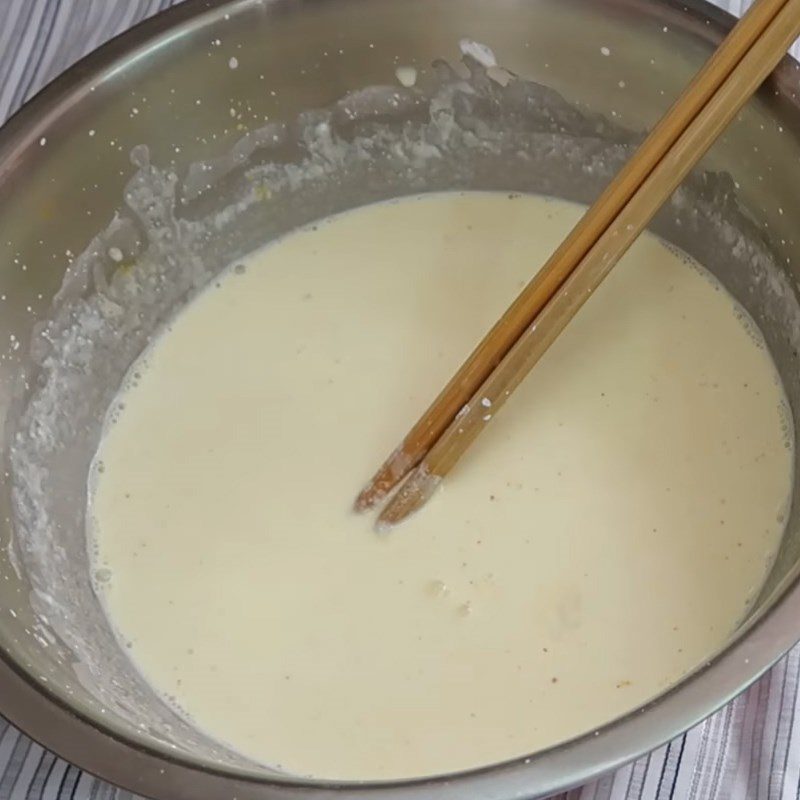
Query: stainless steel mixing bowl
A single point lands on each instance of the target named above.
(189, 84)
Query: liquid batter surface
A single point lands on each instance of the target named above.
(602, 537)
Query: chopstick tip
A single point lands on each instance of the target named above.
(383, 526)
(413, 494)
(367, 499)
(393, 470)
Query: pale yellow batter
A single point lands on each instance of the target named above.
(601, 539)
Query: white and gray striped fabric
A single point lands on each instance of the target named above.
(748, 751)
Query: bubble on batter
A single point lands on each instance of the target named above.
(438, 588)
(103, 575)
(406, 75)
(482, 53)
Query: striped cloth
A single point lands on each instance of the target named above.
(748, 751)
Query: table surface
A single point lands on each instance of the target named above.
(750, 750)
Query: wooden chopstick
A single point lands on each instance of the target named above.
(690, 146)
(533, 297)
